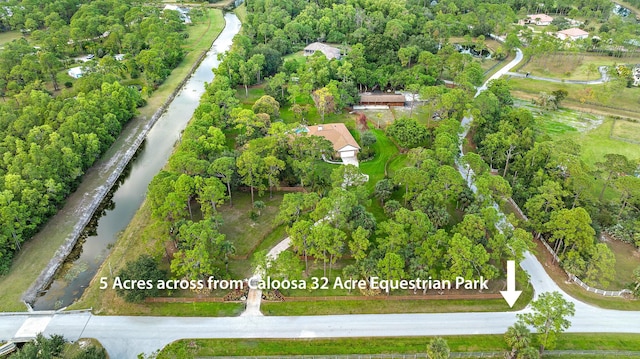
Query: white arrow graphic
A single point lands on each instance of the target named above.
(511, 294)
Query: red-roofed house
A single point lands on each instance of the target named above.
(572, 34)
(337, 133)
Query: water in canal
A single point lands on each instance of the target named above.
(118, 208)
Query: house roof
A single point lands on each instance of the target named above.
(337, 133)
(329, 51)
(75, 71)
(382, 98)
(573, 32)
(540, 17)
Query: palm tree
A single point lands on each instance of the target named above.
(227, 248)
(438, 349)
(518, 337)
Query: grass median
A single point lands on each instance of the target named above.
(382, 305)
(383, 345)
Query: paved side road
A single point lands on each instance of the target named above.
(125, 337)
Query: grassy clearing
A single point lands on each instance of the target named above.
(560, 121)
(240, 229)
(380, 118)
(627, 259)
(577, 66)
(596, 143)
(8, 36)
(382, 345)
(297, 57)
(385, 150)
(625, 98)
(629, 130)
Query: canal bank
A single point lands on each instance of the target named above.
(129, 195)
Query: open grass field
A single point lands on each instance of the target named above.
(379, 118)
(560, 121)
(383, 345)
(626, 99)
(596, 143)
(577, 66)
(627, 130)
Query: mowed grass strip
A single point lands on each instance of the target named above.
(382, 306)
(384, 345)
(627, 260)
(256, 347)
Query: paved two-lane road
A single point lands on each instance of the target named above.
(125, 337)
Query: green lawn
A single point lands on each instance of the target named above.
(382, 345)
(8, 36)
(596, 143)
(375, 168)
(296, 56)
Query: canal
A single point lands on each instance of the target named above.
(120, 205)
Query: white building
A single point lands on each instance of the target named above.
(329, 51)
(572, 34)
(76, 72)
(539, 19)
